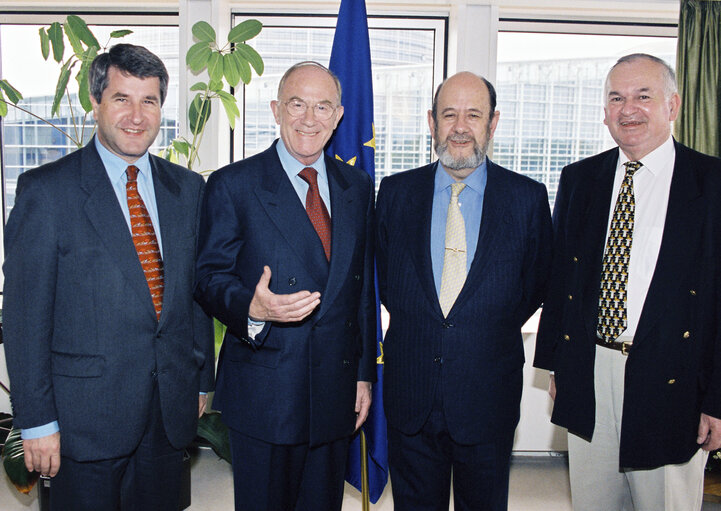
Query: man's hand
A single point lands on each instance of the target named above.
(552, 387)
(362, 402)
(43, 454)
(709, 433)
(202, 402)
(267, 306)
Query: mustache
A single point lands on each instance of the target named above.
(459, 138)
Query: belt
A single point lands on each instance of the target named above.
(623, 347)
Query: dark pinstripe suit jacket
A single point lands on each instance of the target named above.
(476, 353)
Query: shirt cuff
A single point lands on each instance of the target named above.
(254, 327)
(40, 431)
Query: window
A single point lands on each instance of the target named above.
(407, 57)
(551, 85)
(29, 142)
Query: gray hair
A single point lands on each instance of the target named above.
(669, 76)
(129, 59)
(309, 63)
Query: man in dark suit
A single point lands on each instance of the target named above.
(106, 350)
(632, 321)
(463, 249)
(296, 292)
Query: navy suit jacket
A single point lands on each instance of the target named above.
(294, 382)
(673, 372)
(82, 341)
(476, 353)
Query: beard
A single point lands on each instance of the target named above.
(464, 162)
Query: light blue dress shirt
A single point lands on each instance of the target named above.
(115, 168)
(292, 167)
(470, 202)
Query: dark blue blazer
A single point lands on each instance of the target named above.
(82, 341)
(476, 353)
(673, 372)
(295, 382)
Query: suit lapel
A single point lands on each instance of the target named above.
(591, 231)
(342, 236)
(417, 223)
(104, 213)
(167, 197)
(280, 202)
(682, 230)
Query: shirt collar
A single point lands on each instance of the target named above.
(655, 161)
(475, 181)
(292, 166)
(115, 166)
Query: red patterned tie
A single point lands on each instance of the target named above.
(145, 241)
(316, 209)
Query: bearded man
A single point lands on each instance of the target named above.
(463, 252)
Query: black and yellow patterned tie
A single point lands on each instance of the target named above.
(612, 302)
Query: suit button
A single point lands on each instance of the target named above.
(693, 292)
(566, 337)
(292, 281)
(356, 276)
(575, 259)
(686, 334)
(570, 297)
(346, 363)
(448, 324)
(154, 374)
(349, 324)
(671, 381)
(438, 360)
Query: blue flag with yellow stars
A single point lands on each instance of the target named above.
(354, 143)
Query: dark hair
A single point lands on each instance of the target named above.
(310, 63)
(129, 59)
(491, 98)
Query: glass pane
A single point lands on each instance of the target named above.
(550, 89)
(29, 142)
(402, 88)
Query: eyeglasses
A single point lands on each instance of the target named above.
(321, 111)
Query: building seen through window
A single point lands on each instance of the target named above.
(29, 142)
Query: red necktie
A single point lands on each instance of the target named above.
(145, 241)
(316, 209)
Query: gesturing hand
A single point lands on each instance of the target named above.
(268, 306)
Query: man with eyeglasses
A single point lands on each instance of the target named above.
(285, 260)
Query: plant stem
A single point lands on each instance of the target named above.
(38, 117)
(7, 390)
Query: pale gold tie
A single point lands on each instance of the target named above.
(454, 260)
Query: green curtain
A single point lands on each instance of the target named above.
(698, 65)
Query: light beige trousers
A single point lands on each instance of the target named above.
(597, 483)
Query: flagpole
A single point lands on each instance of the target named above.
(365, 490)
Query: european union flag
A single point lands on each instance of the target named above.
(354, 142)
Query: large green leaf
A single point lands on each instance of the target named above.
(3, 105)
(243, 67)
(219, 333)
(198, 56)
(55, 33)
(61, 86)
(82, 78)
(117, 34)
(215, 66)
(204, 32)
(198, 114)
(214, 430)
(74, 39)
(248, 29)
(252, 56)
(44, 43)
(231, 69)
(182, 146)
(231, 107)
(81, 30)
(12, 93)
(199, 86)
(14, 463)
